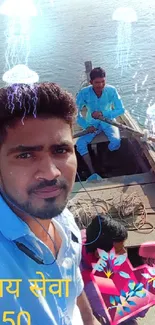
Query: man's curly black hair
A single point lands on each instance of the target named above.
(39, 100)
(112, 231)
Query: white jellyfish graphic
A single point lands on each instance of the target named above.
(17, 74)
(125, 17)
(17, 33)
(20, 74)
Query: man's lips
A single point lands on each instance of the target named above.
(48, 192)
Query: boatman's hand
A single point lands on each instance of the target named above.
(91, 129)
(97, 115)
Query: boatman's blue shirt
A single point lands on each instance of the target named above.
(109, 104)
(49, 305)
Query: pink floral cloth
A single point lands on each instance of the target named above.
(117, 291)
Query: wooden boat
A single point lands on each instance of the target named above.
(129, 170)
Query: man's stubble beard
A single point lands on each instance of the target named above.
(49, 211)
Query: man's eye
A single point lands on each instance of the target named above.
(25, 155)
(60, 150)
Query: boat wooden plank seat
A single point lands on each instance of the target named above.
(143, 185)
(115, 182)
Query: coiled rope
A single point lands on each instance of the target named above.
(128, 209)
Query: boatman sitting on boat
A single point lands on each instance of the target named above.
(101, 100)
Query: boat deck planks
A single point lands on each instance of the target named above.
(146, 192)
(143, 185)
(136, 238)
(114, 182)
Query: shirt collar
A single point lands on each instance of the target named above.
(93, 92)
(11, 226)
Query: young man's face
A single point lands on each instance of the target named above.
(98, 84)
(38, 166)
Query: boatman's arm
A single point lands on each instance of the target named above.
(80, 102)
(83, 303)
(86, 311)
(118, 106)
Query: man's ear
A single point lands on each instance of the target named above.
(91, 82)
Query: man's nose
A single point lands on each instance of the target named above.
(47, 169)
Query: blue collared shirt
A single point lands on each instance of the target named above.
(109, 104)
(15, 264)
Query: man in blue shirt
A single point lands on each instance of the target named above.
(101, 100)
(40, 244)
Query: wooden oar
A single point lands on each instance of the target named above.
(120, 126)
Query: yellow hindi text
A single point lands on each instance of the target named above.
(38, 286)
